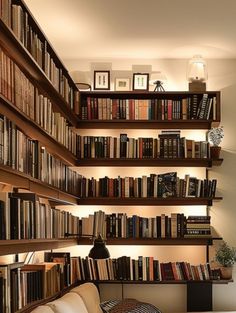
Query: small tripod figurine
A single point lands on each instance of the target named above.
(159, 86)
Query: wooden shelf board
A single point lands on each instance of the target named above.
(26, 62)
(21, 180)
(162, 282)
(29, 307)
(156, 241)
(25, 245)
(147, 201)
(143, 94)
(34, 131)
(125, 162)
(141, 124)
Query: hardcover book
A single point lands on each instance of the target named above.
(167, 185)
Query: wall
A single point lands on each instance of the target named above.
(221, 76)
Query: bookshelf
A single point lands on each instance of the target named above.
(148, 201)
(18, 58)
(187, 162)
(88, 120)
(157, 241)
(34, 131)
(25, 245)
(26, 62)
(67, 106)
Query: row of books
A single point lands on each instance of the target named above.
(5, 11)
(185, 108)
(156, 185)
(141, 148)
(23, 284)
(26, 155)
(19, 90)
(120, 225)
(142, 269)
(17, 18)
(26, 216)
(197, 226)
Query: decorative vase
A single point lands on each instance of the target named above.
(215, 152)
(226, 272)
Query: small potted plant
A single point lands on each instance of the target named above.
(226, 257)
(215, 135)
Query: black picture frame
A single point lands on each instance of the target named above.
(141, 81)
(101, 80)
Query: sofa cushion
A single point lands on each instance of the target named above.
(89, 293)
(69, 303)
(128, 306)
(43, 309)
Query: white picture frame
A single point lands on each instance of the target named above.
(122, 84)
(141, 81)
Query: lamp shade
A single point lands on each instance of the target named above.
(81, 79)
(99, 250)
(197, 69)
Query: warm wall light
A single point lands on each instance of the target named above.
(99, 249)
(81, 79)
(197, 74)
(157, 80)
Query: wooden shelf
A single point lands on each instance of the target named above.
(155, 241)
(141, 124)
(148, 201)
(31, 306)
(21, 180)
(162, 282)
(148, 124)
(140, 94)
(178, 162)
(34, 131)
(26, 245)
(29, 66)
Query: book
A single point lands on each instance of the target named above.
(167, 184)
(64, 259)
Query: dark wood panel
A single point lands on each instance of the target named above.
(155, 241)
(24, 245)
(163, 282)
(140, 124)
(145, 94)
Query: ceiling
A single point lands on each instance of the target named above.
(145, 29)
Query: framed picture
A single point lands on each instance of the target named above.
(140, 81)
(122, 84)
(101, 80)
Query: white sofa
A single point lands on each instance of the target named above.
(82, 299)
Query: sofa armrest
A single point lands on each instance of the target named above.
(89, 293)
(69, 303)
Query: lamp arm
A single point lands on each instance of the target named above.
(79, 235)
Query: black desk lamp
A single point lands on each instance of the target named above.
(99, 249)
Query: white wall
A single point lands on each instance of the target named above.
(221, 76)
